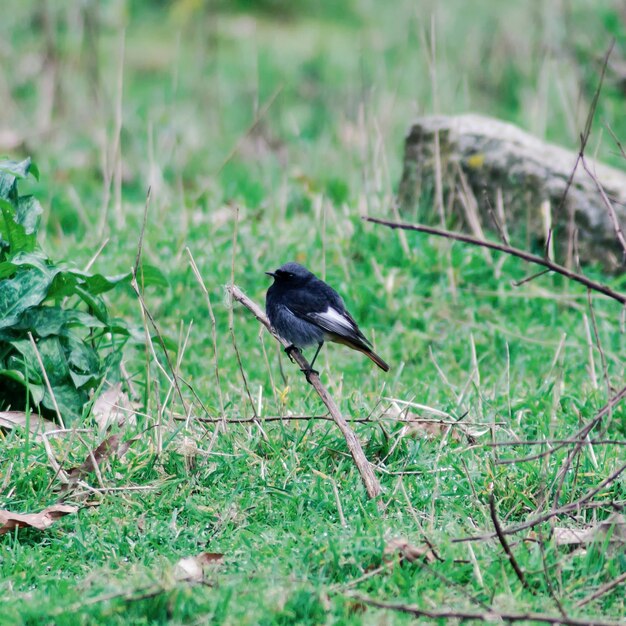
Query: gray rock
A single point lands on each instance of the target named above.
(496, 175)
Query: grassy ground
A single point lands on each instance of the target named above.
(167, 97)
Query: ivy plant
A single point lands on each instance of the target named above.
(57, 338)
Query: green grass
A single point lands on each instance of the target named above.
(346, 85)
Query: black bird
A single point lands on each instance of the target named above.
(304, 310)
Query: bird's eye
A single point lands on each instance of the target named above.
(289, 274)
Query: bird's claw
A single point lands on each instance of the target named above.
(289, 350)
(308, 372)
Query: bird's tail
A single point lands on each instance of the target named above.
(361, 347)
(374, 357)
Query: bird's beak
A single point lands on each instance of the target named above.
(271, 274)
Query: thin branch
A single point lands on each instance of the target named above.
(505, 544)
(370, 481)
(526, 256)
(254, 420)
(548, 577)
(565, 509)
(609, 206)
(618, 143)
(600, 591)
(259, 116)
(584, 138)
(205, 291)
(231, 323)
(144, 221)
(577, 437)
(174, 381)
(486, 616)
(552, 442)
(46, 379)
(329, 418)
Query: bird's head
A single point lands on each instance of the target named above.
(290, 274)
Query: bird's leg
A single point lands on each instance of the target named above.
(310, 370)
(319, 347)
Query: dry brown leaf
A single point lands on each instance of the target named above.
(409, 552)
(108, 447)
(36, 424)
(112, 407)
(191, 568)
(417, 425)
(615, 524)
(111, 446)
(42, 520)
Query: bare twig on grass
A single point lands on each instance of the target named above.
(329, 418)
(134, 595)
(522, 254)
(505, 544)
(231, 324)
(46, 379)
(370, 481)
(552, 442)
(205, 291)
(576, 505)
(618, 143)
(584, 138)
(600, 591)
(135, 286)
(142, 232)
(609, 205)
(174, 379)
(485, 616)
(333, 482)
(259, 116)
(578, 436)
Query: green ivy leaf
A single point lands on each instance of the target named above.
(151, 276)
(13, 234)
(83, 362)
(53, 320)
(27, 213)
(16, 169)
(34, 299)
(26, 289)
(16, 375)
(69, 400)
(9, 172)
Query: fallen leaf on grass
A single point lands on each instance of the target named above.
(409, 552)
(191, 568)
(111, 446)
(447, 425)
(112, 407)
(615, 524)
(36, 424)
(42, 520)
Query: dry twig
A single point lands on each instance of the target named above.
(576, 505)
(505, 545)
(485, 616)
(522, 254)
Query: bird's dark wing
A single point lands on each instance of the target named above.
(315, 297)
(323, 306)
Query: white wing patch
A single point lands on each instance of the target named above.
(333, 321)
